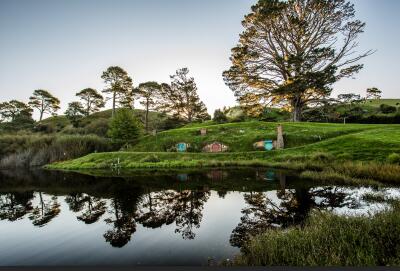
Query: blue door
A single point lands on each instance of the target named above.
(268, 145)
(181, 147)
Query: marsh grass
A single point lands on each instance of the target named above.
(329, 240)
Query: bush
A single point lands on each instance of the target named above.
(387, 109)
(98, 127)
(124, 127)
(219, 116)
(151, 159)
(394, 158)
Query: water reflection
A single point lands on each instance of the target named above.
(134, 203)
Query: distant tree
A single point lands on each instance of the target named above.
(124, 127)
(119, 85)
(9, 111)
(44, 102)
(291, 52)
(180, 99)
(75, 112)
(349, 98)
(149, 94)
(374, 93)
(92, 100)
(219, 116)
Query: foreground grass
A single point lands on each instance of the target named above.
(330, 240)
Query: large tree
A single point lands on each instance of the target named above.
(43, 101)
(9, 111)
(291, 52)
(149, 94)
(180, 98)
(92, 100)
(119, 85)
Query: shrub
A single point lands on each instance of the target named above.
(394, 158)
(98, 127)
(151, 159)
(124, 127)
(219, 116)
(387, 109)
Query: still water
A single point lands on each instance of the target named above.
(157, 218)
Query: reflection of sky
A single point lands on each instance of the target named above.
(64, 46)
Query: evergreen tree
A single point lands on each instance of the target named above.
(124, 127)
(43, 101)
(180, 98)
(92, 100)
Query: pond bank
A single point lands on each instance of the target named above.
(317, 166)
(330, 240)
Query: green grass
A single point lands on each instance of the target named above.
(240, 137)
(377, 103)
(329, 240)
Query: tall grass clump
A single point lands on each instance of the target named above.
(39, 151)
(329, 240)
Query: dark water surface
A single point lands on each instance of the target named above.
(156, 218)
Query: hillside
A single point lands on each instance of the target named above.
(241, 136)
(329, 148)
(61, 122)
(377, 103)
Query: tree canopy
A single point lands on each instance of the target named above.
(92, 100)
(149, 96)
(119, 85)
(75, 112)
(180, 98)
(291, 52)
(9, 111)
(43, 101)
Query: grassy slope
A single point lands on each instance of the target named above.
(241, 136)
(343, 142)
(377, 103)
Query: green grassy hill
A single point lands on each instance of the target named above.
(331, 149)
(241, 136)
(377, 103)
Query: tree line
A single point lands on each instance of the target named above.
(178, 99)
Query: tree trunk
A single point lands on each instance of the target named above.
(147, 116)
(113, 106)
(297, 109)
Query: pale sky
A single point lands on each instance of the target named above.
(64, 46)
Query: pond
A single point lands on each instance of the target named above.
(187, 217)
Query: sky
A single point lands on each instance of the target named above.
(64, 46)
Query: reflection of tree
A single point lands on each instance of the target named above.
(14, 206)
(184, 207)
(123, 222)
(189, 209)
(93, 208)
(290, 208)
(45, 211)
(75, 201)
